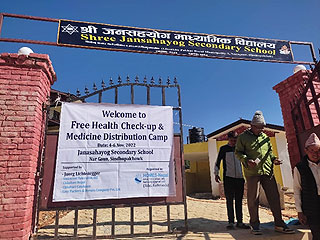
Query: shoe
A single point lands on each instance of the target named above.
(242, 226)
(256, 231)
(284, 229)
(230, 226)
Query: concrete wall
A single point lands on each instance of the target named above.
(213, 153)
(287, 178)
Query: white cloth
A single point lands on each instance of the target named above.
(315, 168)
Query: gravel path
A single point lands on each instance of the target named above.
(207, 219)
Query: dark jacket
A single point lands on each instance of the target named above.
(231, 165)
(309, 192)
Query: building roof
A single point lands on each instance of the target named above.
(240, 123)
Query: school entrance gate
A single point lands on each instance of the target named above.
(135, 208)
(28, 154)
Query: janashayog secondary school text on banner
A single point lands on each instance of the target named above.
(141, 40)
(109, 151)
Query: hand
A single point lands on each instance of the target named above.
(302, 218)
(277, 161)
(251, 163)
(217, 178)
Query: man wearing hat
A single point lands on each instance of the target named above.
(233, 181)
(254, 150)
(306, 186)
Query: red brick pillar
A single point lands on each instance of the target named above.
(287, 90)
(25, 83)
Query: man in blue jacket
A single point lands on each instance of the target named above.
(233, 181)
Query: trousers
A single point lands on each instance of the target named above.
(233, 189)
(271, 190)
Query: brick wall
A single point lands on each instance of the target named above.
(287, 90)
(25, 84)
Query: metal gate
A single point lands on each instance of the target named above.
(305, 108)
(151, 205)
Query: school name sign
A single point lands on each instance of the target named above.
(141, 40)
(108, 151)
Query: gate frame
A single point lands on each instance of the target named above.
(302, 103)
(10, 15)
(150, 204)
(2, 15)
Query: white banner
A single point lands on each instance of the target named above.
(108, 151)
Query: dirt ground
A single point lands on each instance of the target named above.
(207, 219)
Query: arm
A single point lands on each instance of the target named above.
(240, 152)
(218, 163)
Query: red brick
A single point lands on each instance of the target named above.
(12, 234)
(14, 164)
(29, 164)
(8, 200)
(7, 188)
(25, 146)
(11, 175)
(8, 146)
(5, 72)
(18, 109)
(13, 157)
(19, 72)
(6, 228)
(16, 118)
(34, 73)
(15, 206)
(27, 175)
(24, 112)
(9, 134)
(9, 112)
(4, 152)
(8, 97)
(7, 214)
(23, 200)
(25, 188)
(10, 77)
(3, 164)
(19, 226)
(16, 194)
(29, 78)
(5, 140)
(22, 213)
(15, 152)
(8, 124)
(27, 134)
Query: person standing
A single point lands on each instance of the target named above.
(254, 150)
(233, 181)
(306, 186)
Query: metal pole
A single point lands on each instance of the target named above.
(182, 164)
(1, 21)
(30, 17)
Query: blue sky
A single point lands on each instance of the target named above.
(215, 92)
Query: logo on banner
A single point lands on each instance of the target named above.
(284, 50)
(138, 178)
(69, 29)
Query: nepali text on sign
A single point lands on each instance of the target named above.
(130, 39)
